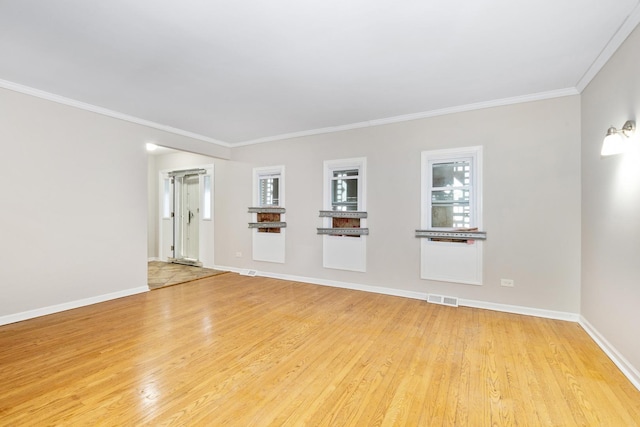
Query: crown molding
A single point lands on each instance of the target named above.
(625, 29)
(370, 123)
(105, 112)
(416, 116)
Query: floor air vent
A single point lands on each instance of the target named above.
(251, 273)
(440, 299)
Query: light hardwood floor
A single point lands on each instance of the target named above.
(233, 350)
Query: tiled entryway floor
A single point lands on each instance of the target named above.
(163, 274)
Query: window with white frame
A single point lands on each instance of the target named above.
(167, 202)
(451, 189)
(268, 189)
(206, 197)
(344, 189)
(450, 193)
(345, 184)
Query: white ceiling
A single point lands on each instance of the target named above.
(246, 71)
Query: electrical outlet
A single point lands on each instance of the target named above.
(238, 254)
(509, 283)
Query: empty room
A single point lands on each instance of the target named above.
(394, 213)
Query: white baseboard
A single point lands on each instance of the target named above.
(332, 283)
(528, 311)
(347, 285)
(623, 364)
(230, 269)
(25, 315)
(164, 260)
(517, 309)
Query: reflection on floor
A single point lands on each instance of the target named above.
(163, 274)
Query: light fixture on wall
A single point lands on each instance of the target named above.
(617, 140)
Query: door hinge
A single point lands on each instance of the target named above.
(172, 214)
(172, 248)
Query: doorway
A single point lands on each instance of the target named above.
(182, 223)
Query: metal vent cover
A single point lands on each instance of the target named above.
(442, 300)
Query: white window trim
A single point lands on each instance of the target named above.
(441, 261)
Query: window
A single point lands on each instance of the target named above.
(451, 188)
(269, 190)
(344, 185)
(206, 197)
(344, 190)
(167, 203)
(450, 193)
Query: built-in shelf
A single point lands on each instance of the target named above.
(267, 224)
(452, 235)
(342, 214)
(344, 231)
(272, 209)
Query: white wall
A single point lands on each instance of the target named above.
(531, 202)
(611, 207)
(74, 213)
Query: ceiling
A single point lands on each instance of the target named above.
(244, 71)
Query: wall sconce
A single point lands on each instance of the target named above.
(617, 141)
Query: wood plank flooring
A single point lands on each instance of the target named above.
(239, 351)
